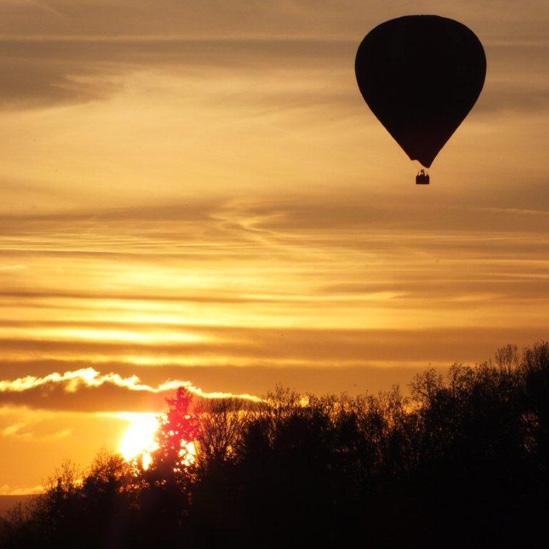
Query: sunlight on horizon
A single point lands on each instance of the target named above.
(139, 440)
(138, 443)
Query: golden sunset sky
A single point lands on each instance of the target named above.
(194, 192)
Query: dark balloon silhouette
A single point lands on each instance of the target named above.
(421, 75)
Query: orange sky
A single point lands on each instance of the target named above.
(195, 191)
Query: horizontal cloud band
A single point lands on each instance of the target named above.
(88, 390)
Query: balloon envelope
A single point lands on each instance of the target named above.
(421, 75)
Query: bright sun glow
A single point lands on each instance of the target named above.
(188, 453)
(139, 439)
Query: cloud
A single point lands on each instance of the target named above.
(250, 226)
(28, 432)
(274, 73)
(89, 390)
(349, 210)
(498, 18)
(320, 361)
(53, 71)
(24, 491)
(260, 378)
(269, 346)
(35, 82)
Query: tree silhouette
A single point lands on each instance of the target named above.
(462, 461)
(179, 427)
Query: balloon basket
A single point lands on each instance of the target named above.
(422, 178)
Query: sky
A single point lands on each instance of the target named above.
(194, 193)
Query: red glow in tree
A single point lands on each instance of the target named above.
(179, 427)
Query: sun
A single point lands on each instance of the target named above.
(138, 441)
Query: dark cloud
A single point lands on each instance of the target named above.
(515, 209)
(34, 82)
(502, 288)
(322, 346)
(106, 398)
(516, 79)
(38, 72)
(121, 296)
(88, 390)
(524, 98)
(495, 19)
(414, 213)
(345, 361)
(51, 71)
(257, 380)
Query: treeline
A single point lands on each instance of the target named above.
(462, 461)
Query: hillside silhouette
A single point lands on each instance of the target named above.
(460, 461)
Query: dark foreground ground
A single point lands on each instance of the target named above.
(463, 462)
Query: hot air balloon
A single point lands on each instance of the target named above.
(421, 75)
